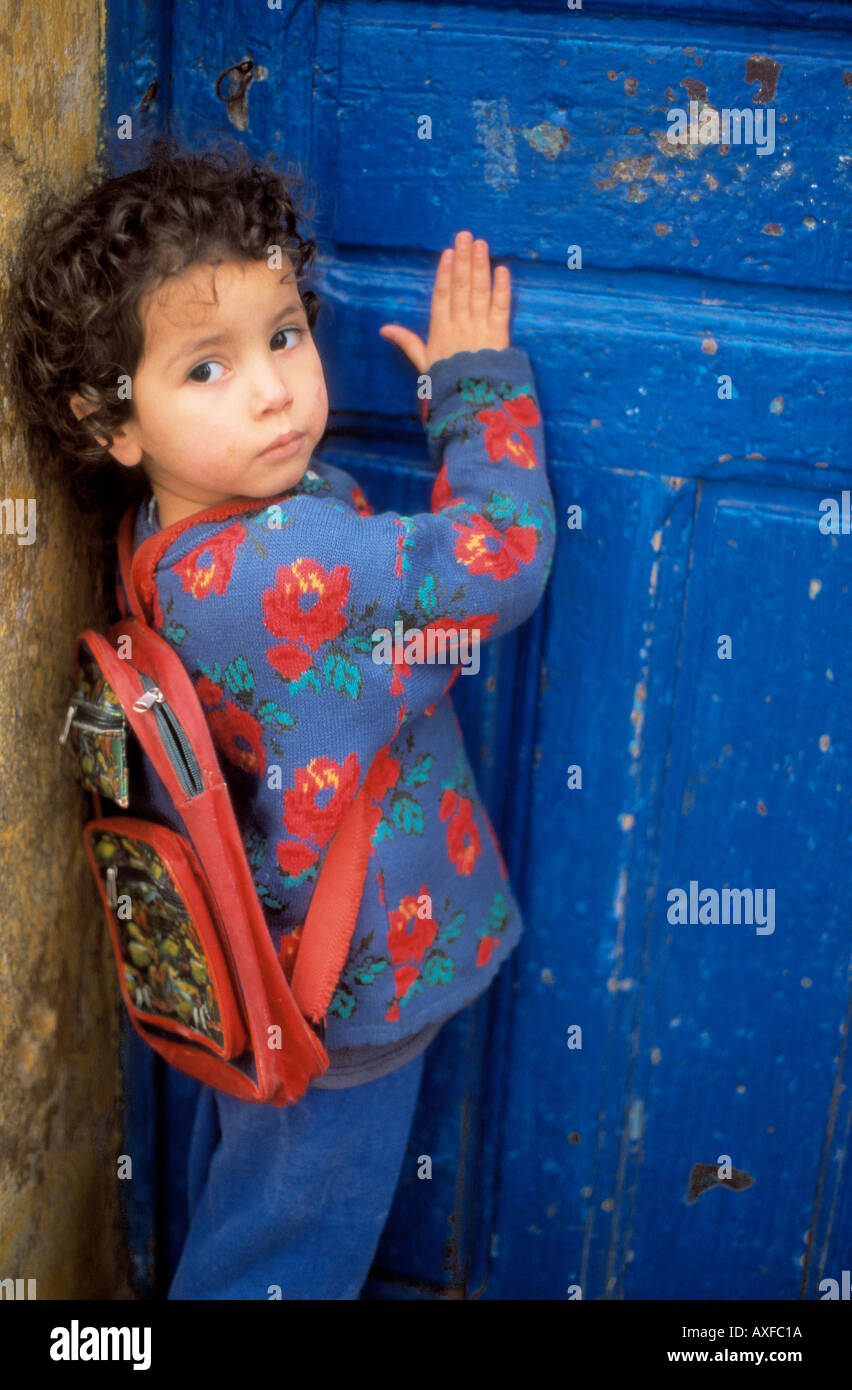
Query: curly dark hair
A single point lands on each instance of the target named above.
(86, 259)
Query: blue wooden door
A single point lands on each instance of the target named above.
(642, 1107)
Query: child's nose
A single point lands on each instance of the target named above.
(271, 385)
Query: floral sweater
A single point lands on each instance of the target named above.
(272, 606)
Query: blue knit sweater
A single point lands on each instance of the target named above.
(272, 606)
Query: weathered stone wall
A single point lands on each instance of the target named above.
(60, 1084)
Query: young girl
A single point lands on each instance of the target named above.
(278, 586)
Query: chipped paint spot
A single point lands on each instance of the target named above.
(809, 222)
(546, 976)
(656, 1056)
(630, 85)
(703, 1176)
(765, 70)
(824, 743)
(674, 483)
(613, 76)
(657, 540)
(776, 405)
(695, 90)
(847, 79)
(607, 1204)
(635, 1121)
(814, 587)
(673, 151)
(709, 345)
(613, 984)
(626, 820)
(547, 139)
(621, 893)
(806, 982)
(662, 228)
(494, 133)
(711, 182)
(761, 806)
(725, 458)
(829, 674)
(637, 168)
(773, 229)
(659, 177)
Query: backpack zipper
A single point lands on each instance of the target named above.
(179, 748)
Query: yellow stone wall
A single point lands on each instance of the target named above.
(60, 1083)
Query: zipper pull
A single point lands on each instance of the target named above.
(151, 697)
(68, 718)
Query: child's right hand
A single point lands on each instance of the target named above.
(467, 314)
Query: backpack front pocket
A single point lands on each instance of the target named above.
(169, 946)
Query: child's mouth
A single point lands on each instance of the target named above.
(283, 446)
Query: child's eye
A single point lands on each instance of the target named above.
(298, 331)
(200, 368)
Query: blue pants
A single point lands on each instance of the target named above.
(293, 1198)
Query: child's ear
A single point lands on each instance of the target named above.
(124, 450)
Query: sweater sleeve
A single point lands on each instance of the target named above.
(478, 563)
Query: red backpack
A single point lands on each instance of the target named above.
(196, 963)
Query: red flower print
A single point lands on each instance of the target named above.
(208, 692)
(233, 725)
(381, 775)
(198, 579)
(360, 502)
(403, 978)
(319, 621)
(486, 946)
(480, 623)
(295, 858)
(463, 843)
(409, 936)
(505, 436)
(442, 493)
(289, 949)
(514, 544)
(306, 819)
(289, 661)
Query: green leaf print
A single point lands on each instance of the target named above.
(427, 597)
(368, 972)
(342, 674)
(438, 968)
(452, 930)
(239, 676)
(420, 773)
(343, 1003)
(407, 814)
(270, 713)
(477, 391)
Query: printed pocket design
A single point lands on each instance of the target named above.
(97, 726)
(171, 966)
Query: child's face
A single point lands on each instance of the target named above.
(203, 413)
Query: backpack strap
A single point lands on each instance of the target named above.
(336, 900)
